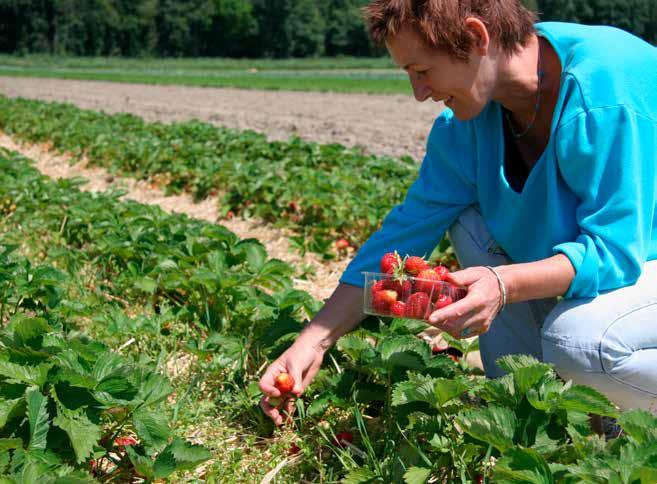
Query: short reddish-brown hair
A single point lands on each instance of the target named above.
(441, 22)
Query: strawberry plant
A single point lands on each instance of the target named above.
(323, 193)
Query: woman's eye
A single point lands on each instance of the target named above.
(422, 73)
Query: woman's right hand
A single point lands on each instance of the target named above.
(302, 361)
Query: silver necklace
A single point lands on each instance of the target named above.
(537, 106)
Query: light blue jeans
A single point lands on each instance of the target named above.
(608, 342)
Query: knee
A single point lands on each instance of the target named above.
(580, 343)
(567, 345)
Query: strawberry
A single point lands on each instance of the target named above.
(417, 305)
(437, 349)
(342, 244)
(398, 309)
(379, 285)
(431, 283)
(442, 301)
(414, 265)
(123, 442)
(402, 288)
(284, 383)
(294, 449)
(389, 262)
(382, 300)
(442, 271)
(342, 437)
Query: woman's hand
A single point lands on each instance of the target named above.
(472, 315)
(302, 361)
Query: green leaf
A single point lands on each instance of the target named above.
(527, 377)
(512, 363)
(82, 433)
(493, 425)
(9, 444)
(253, 252)
(586, 399)
(152, 428)
(523, 465)
(37, 414)
(31, 375)
(417, 475)
(360, 475)
(641, 425)
(179, 455)
(142, 464)
(434, 391)
(28, 331)
(10, 409)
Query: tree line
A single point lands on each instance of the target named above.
(242, 28)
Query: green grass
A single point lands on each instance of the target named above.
(346, 75)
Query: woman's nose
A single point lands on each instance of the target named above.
(421, 90)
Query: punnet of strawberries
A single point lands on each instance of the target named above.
(408, 287)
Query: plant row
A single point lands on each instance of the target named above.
(415, 416)
(70, 407)
(323, 193)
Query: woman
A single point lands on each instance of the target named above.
(543, 171)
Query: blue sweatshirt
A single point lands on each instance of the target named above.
(591, 195)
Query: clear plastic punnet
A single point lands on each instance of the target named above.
(407, 297)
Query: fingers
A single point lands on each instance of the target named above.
(297, 374)
(266, 382)
(271, 412)
(280, 414)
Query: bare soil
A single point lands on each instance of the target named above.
(382, 125)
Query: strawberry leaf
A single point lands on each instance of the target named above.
(152, 428)
(641, 425)
(417, 475)
(493, 425)
(37, 415)
(82, 433)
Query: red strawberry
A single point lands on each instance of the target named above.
(417, 305)
(437, 349)
(294, 449)
(398, 309)
(402, 288)
(342, 437)
(389, 262)
(442, 301)
(414, 265)
(382, 300)
(122, 442)
(379, 285)
(342, 244)
(432, 283)
(442, 271)
(284, 383)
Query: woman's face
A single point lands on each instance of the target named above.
(464, 87)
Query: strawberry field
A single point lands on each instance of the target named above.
(132, 340)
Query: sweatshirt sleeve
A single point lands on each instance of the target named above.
(443, 189)
(607, 158)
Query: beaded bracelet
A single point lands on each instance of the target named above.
(502, 287)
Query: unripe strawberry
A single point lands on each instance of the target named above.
(284, 383)
(417, 305)
(389, 262)
(398, 309)
(414, 265)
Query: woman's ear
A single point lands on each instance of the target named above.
(477, 29)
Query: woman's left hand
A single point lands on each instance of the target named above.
(472, 315)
